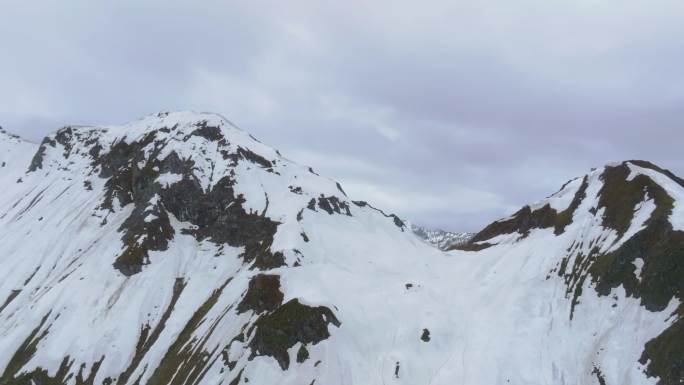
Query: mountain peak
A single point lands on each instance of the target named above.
(617, 229)
(177, 249)
(182, 119)
(178, 217)
(610, 194)
(201, 137)
(219, 182)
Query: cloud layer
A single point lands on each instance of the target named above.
(449, 113)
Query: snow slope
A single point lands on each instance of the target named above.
(178, 249)
(15, 154)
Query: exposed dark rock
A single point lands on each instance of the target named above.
(291, 323)
(469, 246)
(263, 294)
(237, 379)
(249, 155)
(211, 133)
(564, 218)
(658, 245)
(22, 356)
(254, 157)
(90, 378)
(662, 275)
(599, 376)
(522, 222)
(142, 234)
(64, 137)
(37, 161)
(619, 197)
(661, 280)
(649, 165)
(188, 359)
(397, 221)
(125, 181)
(527, 219)
(296, 190)
(218, 214)
(339, 187)
(13, 294)
(220, 217)
(425, 337)
(148, 335)
(665, 353)
(332, 205)
(40, 376)
(302, 354)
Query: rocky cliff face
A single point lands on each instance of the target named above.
(146, 246)
(624, 231)
(180, 250)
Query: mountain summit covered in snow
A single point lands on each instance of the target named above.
(178, 249)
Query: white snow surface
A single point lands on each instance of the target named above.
(168, 179)
(15, 155)
(560, 200)
(493, 316)
(674, 189)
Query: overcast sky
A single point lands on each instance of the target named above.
(449, 113)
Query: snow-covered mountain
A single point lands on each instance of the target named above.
(178, 249)
(15, 154)
(443, 240)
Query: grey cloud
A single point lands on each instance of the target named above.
(451, 114)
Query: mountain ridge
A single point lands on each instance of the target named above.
(644, 259)
(178, 249)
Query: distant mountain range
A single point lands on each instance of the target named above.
(443, 240)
